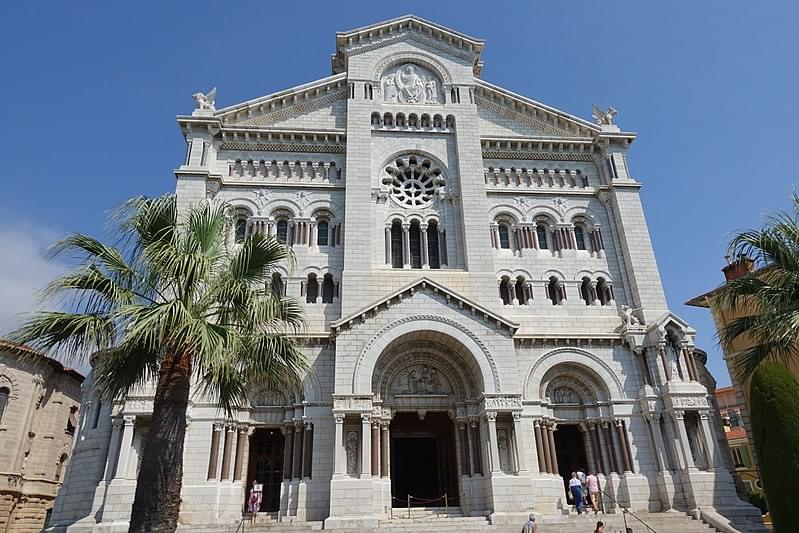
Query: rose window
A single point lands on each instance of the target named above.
(412, 183)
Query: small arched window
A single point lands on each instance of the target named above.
(396, 244)
(433, 255)
(504, 236)
(59, 469)
(585, 291)
(277, 285)
(5, 392)
(98, 408)
(541, 233)
(283, 231)
(312, 290)
(328, 289)
(72, 420)
(554, 292)
(241, 228)
(415, 238)
(504, 290)
(521, 290)
(579, 236)
(322, 233)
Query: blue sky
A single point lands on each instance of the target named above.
(90, 91)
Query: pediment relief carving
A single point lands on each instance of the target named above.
(410, 84)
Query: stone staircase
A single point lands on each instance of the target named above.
(435, 520)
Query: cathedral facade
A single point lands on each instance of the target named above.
(484, 310)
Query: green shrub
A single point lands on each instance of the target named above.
(775, 431)
(757, 499)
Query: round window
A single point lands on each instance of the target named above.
(412, 183)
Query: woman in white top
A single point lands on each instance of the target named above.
(576, 489)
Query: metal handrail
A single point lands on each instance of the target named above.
(626, 511)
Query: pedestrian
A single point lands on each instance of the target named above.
(593, 490)
(600, 527)
(576, 489)
(254, 500)
(530, 526)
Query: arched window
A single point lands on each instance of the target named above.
(5, 392)
(554, 292)
(60, 466)
(98, 408)
(415, 238)
(504, 291)
(241, 228)
(504, 236)
(585, 291)
(277, 285)
(521, 290)
(541, 233)
(433, 256)
(283, 230)
(396, 244)
(312, 290)
(72, 420)
(579, 236)
(604, 291)
(328, 289)
(322, 233)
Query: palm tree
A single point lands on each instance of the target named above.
(176, 303)
(767, 300)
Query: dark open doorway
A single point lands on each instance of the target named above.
(266, 466)
(423, 460)
(570, 451)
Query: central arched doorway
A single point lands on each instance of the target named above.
(425, 380)
(423, 463)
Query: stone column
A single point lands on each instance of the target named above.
(539, 448)
(423, 235)
(604, 448)
(113, 449)
(227, 452)
(613, 461)
(587, 444)
(470, 445)
(476, 449)
(657, 436)
(366, 445)
(519, 440)
(340, 466)
(710, 442)
(553, 451)
(214, 451)
(682, 437)
(598, 458)
(461, 443)
(299, 430)
(623, 446)
(491, 419)
(384, 450)
(376, 448)
(288, 450)
(388, 246)
(307, 450)
(406, 246)
(241, 445)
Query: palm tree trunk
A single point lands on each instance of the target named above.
(157, 501)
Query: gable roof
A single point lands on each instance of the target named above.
(348, 42)
(425, 283)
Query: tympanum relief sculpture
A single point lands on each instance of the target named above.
(420, 380)
(410, 84)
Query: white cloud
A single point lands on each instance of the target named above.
(24, 270)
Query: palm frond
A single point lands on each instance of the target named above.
(76, 336)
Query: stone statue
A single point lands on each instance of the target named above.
(629, 318)
(502, 444)
(564, 395)
(389, 90)
(205, 101)
(410, 85)
(352, 453)
(431, 92)
(604, 118)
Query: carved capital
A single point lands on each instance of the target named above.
(491, 416)
(366, 417)
(339, 418)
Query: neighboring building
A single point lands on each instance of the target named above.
(39, 401)
(485, 313)
(731, 412)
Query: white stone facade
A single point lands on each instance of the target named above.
(484, 283)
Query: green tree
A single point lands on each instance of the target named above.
(766, 303)
(775, 431)
(176, 303)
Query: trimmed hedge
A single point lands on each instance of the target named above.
(775, 431)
